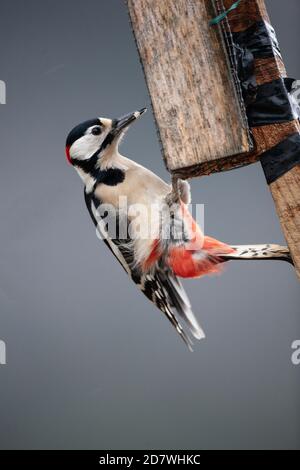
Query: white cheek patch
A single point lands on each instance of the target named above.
(84, 147)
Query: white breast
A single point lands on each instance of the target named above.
(141, 195)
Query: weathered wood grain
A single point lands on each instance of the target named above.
(187, 73)
(286, 194)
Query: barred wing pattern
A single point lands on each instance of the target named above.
(160, 286)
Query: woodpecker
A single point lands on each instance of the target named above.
(172, 245)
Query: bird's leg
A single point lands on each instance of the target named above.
(173, 197)
(259, 252)
(180, 191)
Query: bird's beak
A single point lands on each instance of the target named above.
(120, 124)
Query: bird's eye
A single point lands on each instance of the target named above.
(96, 130)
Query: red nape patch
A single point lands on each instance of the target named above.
(68, 155)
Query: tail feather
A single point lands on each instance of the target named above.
(181, 303)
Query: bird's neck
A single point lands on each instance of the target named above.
(108, 169)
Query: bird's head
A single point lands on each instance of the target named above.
(92, 139)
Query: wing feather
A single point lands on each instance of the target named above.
(162, 288)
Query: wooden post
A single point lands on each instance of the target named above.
(187, 72)
(194, 100)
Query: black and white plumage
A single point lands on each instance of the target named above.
(160, 286)
(92, 148)
(153, 261)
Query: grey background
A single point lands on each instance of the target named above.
(91, 363)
